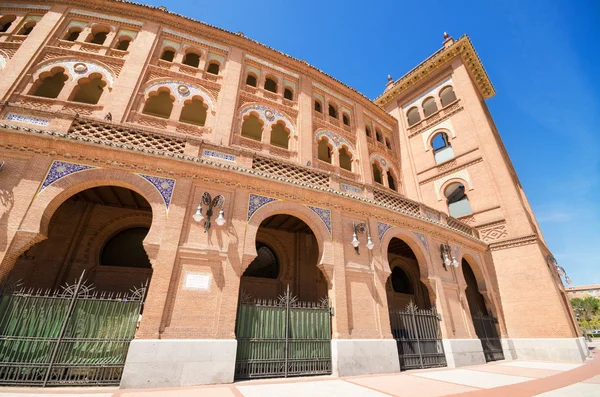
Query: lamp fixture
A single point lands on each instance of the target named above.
(559, 269)
(361, 228)
(210, 203)
(448, 258)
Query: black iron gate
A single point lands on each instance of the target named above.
(71, 336)
(418, 337)
(281, 338)
(487, 332)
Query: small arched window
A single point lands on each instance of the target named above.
(279, 135)
(377, 174)
(345, 119)
(123, 44)
(191, 59)
(324, 151)
(345, 158)
(400, 281)
(252, 128)
(442, 150)
(126, 249)
(388, 144)
(429, 107)
(89, 90)
(368, 131)
(265, 265)
(194, 111)
(27, 28)
(72, 34)
(458, 202)
(413, 116)
(251, 80)
(447, 96)
(168, 55)
(378, 135)
(270, 85)
(288, 94)
(391, 181)
(159, 104)
(332, 111)
(51, 85)
(98, 35)
(318, 107)
(213, 68)
(6, 22)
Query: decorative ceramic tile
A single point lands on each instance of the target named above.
(196, 39)
(270, 116)
(218, 58)
(272, 66)
(30, 6)
(109, 17)
(324, 214)
(422, 239)
(164, 186)
(218, 155)
(255, 202)
(60, 169)
(382, 161)
(322, 88)
(78, 69)
(382, 228)
(23, 118)
(433, 215)
(335, 139)
(182, 91)
(350, 188)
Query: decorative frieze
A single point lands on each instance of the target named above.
(60, 169)
(27, 119)
(106, 17)
(196, 39)
(164, 186)
(272, 66)
(218, 155)
(182, 91)
(493, 232)
(350, 188)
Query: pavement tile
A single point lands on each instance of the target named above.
(574, 390)
(542, 365)
(517, 371)
(467, 377)
(195, 392)
(595, 379)
(410, 386)
(334, 388)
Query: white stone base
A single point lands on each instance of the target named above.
(175, 362)
(508, 349)
(549, 349)
(462, 352)
(364, 356)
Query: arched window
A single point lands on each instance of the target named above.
(126, 249)
(400, 281)
(429, 107)
(265, 265)
(368, 131)
(447, 96)
(288, 94)
(318, 107)
(252, 128)
(332, 111)
(51, 85)
(458, 202)
(324, 151)
(123, 44)
(194, 111)
(27, 28)
(270, 85)
(279, 135)
(5, 22)
(160, 104)
(345, 158)
(378, 135)
(98, 35)
(391, 180)
(72, 34)
(213, 68)
(388, 144)
(345, 119)
(251, 80)
(442, 150)
(168, 55)
(191, 59)
(89, 89)
(377, 174)
(413, 116)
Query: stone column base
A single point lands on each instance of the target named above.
(548, 349)
(462, 352)
(364, 356)
(179, 362)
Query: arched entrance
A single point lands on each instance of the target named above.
(283, 325)
(485, 324)
(73, 301)
(414, 323)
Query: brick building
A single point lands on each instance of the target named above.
(583, 291)
(118, 120)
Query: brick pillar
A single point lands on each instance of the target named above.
(362, 147)
(304, 133)
(226, 107)
(337, 293)
(20, 63)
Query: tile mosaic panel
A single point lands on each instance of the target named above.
(218, 155)
(335, 139)
(23, 118)
(60, 169)
(382, 228)
(324, 214)
(165, 187)
(182, 91)
(422, 239)
(255, 202)
(270, 116)
(350, 188)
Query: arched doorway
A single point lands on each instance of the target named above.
(283, 325)
(73, 301)
(414, 323)
(485, 324)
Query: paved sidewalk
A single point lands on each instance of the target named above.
(501, 379)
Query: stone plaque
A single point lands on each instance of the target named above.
(197, 281)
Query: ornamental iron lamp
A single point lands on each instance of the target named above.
(361, 228)
(448, 258)
(559, 269)
(208, 201)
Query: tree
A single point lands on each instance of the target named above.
(587, 311)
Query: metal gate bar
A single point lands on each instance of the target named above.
(487, 332)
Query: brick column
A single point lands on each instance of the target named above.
(362, 147)
(226, 107)
(304, 133)
(337, 293)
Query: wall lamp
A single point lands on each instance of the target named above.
(446, 252)
(211, 203)
(361, 228)
(559, 269)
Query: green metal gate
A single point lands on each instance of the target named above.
(71, 336)
(281, 338)
(487, 332)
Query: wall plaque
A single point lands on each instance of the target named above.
(197, 281)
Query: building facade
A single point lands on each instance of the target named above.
(583, 291)
(140, 145)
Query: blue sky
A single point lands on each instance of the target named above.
(542, 57)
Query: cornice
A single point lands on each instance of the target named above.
(451, 170)
(515, 242)
(463, 48)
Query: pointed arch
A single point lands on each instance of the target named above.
(181, 91)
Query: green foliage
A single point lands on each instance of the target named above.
(587, 311)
